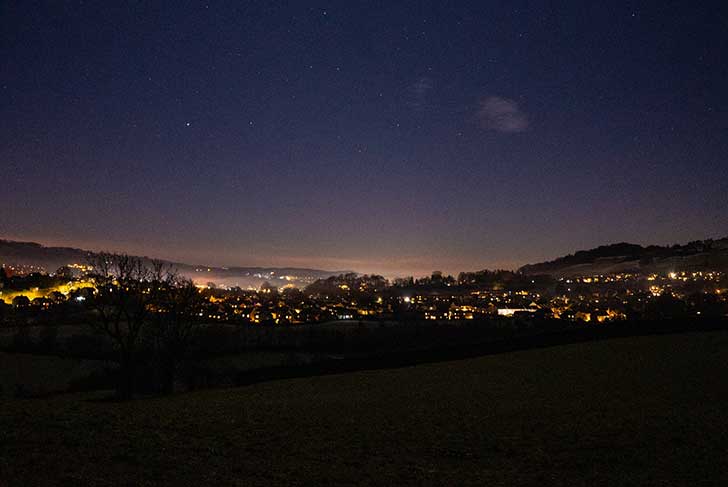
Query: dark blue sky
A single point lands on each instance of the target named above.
(394, 137)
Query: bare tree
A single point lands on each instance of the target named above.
(175, 325)
(127, 288)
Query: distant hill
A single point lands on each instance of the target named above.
(700, 255)
(31, 253)
(51, 258)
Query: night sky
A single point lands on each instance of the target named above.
(395, 137)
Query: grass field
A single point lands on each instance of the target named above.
(41, 374)
(631, 411)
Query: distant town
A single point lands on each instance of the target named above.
(29, 294)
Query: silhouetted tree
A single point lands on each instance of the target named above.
(21, 301)
(126, 289)
(666, 307)
(175, 325)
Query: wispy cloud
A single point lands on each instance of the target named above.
(502, 115)
(419, 92)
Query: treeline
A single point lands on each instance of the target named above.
(354, 284)
(715, 253)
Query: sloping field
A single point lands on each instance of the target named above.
(23, 374)
(633, 411)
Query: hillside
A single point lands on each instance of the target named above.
(31, 253)
(632, 411)
(51, 258)
(700, 255)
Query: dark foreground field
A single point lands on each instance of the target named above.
(629, 411)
